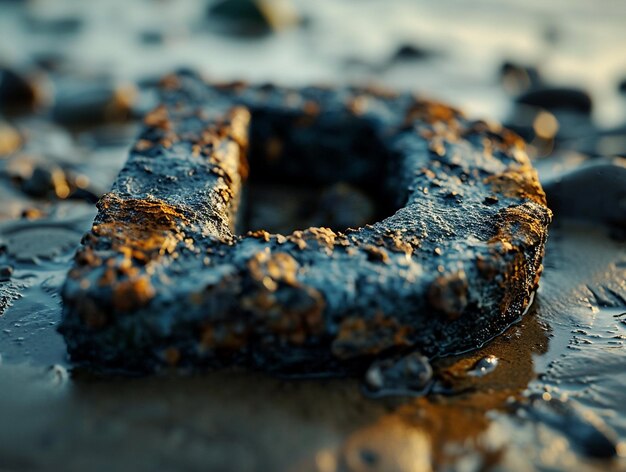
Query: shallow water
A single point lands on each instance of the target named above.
(559, 382)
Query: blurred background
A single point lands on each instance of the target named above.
(81, 72)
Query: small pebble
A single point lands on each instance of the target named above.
(18, 92)
(410, 52)
(5, 273)
(92, 102)
(252, 17)
(10, 139)
(558, 98)
(45, 181)
(401, 376)
(32, 213)
(517, 78)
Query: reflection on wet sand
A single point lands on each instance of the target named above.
(479, 412)
(233, 419)
(452, 425)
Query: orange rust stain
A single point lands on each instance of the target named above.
(324, 236)
(270, 269)
(376, 254)
(398, 242)
(259, 234)
(517, 225)
(158, 118)
(359, 336)
(143, 145)
(519, 181)
(431, 112)
(143, 229)
(380, 91)
(357, 105)
(274, 272)
(133, 293)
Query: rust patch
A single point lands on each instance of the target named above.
(359, 336)
(520, 225)
(376, 254)
(431, 112)
(271, 269)
(133, 293)
(158, 118)
(519, 181)
(143, 229)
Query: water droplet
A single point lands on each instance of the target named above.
(58, 374)
(484, 366)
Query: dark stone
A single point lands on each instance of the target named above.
(5, 273)
(411, 52)
(88, 102)
(247, 17)
(558, 98)
(39, 184)
(45, 181)
(84, 195)
(406, 375)
(592, 190)
(18, 92)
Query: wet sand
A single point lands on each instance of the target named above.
(567, 346)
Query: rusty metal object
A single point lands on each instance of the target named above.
(163, 279)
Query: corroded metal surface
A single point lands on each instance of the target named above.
(162, 278)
